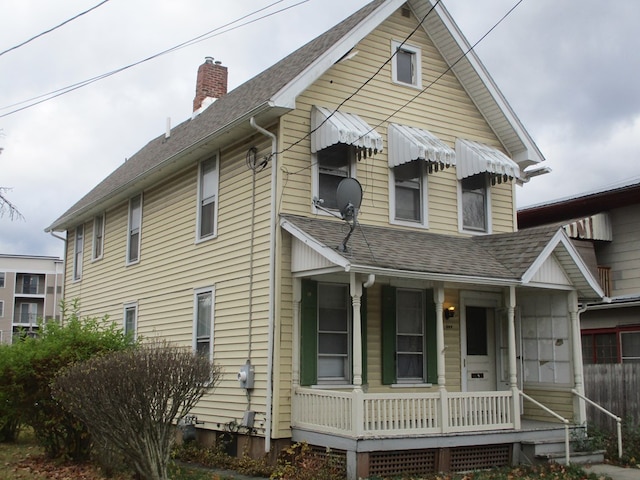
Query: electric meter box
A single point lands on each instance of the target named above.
(245, 376)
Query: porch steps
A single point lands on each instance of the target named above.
(552, 450)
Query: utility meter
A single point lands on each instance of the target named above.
(245, 376)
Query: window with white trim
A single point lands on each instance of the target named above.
(2, 274)
(207, 199)
(408, 198)
(475, 203)
(406, 67)
(203, 322)
(331, 166)
(134, 229)
(334, 333)
(130, 320)
(1, 308)
(77, 252)
(98, 237)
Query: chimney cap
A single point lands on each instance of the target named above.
(208, 60)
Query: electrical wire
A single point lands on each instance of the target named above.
(200, 38)
(53, 28)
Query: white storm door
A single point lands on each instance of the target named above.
(480, 349)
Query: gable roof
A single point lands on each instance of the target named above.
(499, 259)
(273, 92)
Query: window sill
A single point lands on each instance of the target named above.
(205, 239)
(408, 223)
(332, 386)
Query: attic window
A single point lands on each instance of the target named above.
(406, 67)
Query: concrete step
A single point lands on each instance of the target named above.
(597, 456)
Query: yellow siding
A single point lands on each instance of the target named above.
(558, 400)
(444, 109)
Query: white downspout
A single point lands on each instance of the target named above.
(272, 281)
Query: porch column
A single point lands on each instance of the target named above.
(438, 299)
(513, 365)
(579, 407)
(295, 348)
(356, 296)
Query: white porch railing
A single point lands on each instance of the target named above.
(359, 414)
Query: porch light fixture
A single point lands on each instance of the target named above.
(449, 312)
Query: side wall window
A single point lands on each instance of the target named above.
(1, 308)
(207, 199)
(134, 229)
(406, 67)
(475, 203)
(203, 322)
(77, 252)
(2, 274)
(98, 237)
(130, 322)
(408, 336)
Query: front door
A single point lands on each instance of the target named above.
(480, 349)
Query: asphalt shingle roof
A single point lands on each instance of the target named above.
(500, 256)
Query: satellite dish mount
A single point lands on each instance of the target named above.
(349, 198)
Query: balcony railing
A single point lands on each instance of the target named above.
(358, 414)
(604, 275)
(25, 319)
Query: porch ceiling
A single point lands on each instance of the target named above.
(501, 259)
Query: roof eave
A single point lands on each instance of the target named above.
(265, 113)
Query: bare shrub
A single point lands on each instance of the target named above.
(131, 398)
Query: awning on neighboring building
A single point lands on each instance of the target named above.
(407, 144)
(474, 157)
(330, 127)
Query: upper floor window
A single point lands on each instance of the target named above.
(332, 165)
(1, 308)
(1, 279)
(475, 203)
(98, 236)
(77, 253)
(207, 198)
(408, 200)
(134, 229)
(130, 323)
(406, 65)
(203, 322)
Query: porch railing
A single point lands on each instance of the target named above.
(360, 414)
(608, 413)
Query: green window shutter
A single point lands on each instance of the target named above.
(363, 330)
(309, 333)
(388, 335)
(432, 350)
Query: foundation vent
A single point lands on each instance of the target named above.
(404, 462)
(481, 457)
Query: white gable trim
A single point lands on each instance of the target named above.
(286, 97)
(318, 247)
(551, 272)
(561, 243)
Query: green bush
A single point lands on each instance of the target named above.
(28, 367)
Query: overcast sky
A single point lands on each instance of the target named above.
(568, 68)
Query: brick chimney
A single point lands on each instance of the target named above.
(211, 82)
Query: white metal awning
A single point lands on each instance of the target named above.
(410, 143)
(330, 127)
(474, 157)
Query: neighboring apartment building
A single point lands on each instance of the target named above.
(607, 223)
(30, 291)
(394, 339)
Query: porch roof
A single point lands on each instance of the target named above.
(500, 259)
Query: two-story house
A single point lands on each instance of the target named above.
(30, 292)
(416, 332)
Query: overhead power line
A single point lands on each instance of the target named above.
(200, 38)
(53, 28)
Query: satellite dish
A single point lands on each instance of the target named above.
(349, 197)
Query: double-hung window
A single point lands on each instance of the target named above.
(130, 323)
(77, 252)
(98, 236)
(203, 322)
(326, 334)
(409, 193)
(408, 336)
(1, 308)
(406, 67)
(475, 203)
(207, 198)
(630, 347)
(2, 279)
(134, 229)
(334, 164)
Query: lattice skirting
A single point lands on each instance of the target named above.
(480, 457)
(388, 464)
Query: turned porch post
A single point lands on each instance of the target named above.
(356, 300)
(438, 299)
(513, 364)
(580, 409)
